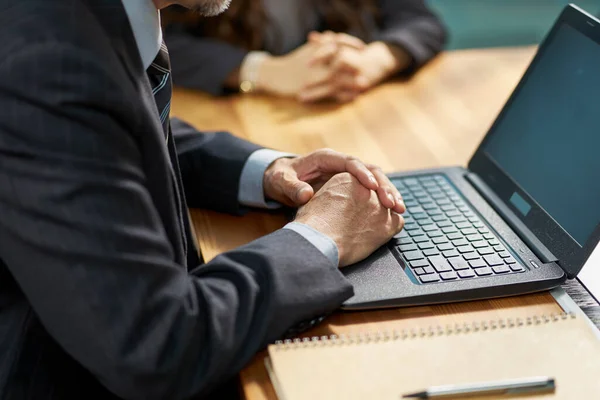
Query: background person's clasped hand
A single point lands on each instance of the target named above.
(330, 66)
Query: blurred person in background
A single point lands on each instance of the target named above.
(311, 50)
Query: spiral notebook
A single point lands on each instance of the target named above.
(386, 365)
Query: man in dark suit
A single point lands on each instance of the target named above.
(102, 291)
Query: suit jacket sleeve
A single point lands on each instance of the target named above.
(83, 238)
(411, 25)
(211, 166)
(199, 62)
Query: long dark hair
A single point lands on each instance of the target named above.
(243, 24)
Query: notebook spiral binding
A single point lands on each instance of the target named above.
(405, 334)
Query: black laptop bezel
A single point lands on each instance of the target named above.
(570, 253)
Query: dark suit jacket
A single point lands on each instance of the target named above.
(97, 297)
(204, 63)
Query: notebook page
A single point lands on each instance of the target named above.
(566, 350)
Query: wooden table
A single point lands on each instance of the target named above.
(437, 118)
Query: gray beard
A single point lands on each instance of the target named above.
(211, 8)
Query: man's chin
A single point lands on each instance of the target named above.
(210, 8)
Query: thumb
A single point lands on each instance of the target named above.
(298, 192)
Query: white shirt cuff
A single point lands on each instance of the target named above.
(322, 242)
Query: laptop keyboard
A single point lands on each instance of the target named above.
(443, 240)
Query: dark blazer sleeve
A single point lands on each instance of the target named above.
(83, 238)
(199, 62)
(211, 165)
(411, 25)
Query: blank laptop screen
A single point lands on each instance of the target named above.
(548, 139)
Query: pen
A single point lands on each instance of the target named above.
(535, 384)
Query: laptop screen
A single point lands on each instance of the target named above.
(548, 139)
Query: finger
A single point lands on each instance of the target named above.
(325, 163)
(346, 96)
(397, 222)
(297, 191)
(349, 82)
(347, 60)
(387, 190)
(316, 93)
(324, 54)
(346, 40)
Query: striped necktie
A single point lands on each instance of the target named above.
(159, 74)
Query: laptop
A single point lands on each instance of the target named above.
(525, 215)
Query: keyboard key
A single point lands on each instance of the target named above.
(420, 215)
(450, 229)
(429, 206)
(517, 268)
(414, 210)
(493, 260)
(445, 246)
(460, 242)
(419, 263)
(454, 236)
(429, 270)
(488, 236)
(407, 247)
(448, 276)
(429, 228)
(458, 263)
(410, 203)
(479, 263)
(454, 213)
(504, 254)
(426, 245)
(411, 227)
(434, 234)
(439, 218)
(485, 250)
(445, 223)
(436, 212)
(465, 249)
(439, 240)
(493, 242)
(473, 219)
(510, 260)
(402, 241)
(464, 208)
(470, 256)
(458, 219)
(424, 222)
(463, 225)
(429, 278)
(420, 193)
(483, 230)
(483, 271)
(468, 231)
(420, 239)
(443, 202)
(475, 237)
(466, 274)
(501, 269)
(416, 232)
(447, 207)
(440, 264)
(498, 248)
(413, 255)
(419, 271)
(431, 252)
(478, 224)
(479, 244)
(450, 253)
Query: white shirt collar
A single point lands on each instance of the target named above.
(144, 19)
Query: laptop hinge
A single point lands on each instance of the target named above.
(538, 248)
